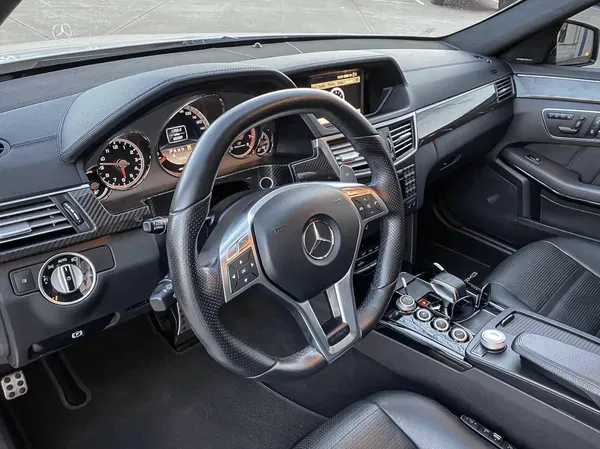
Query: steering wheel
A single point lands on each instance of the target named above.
(295, 241)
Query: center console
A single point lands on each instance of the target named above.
(511, 369)
(423, 310)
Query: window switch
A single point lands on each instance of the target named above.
(535, 159)
(22, 281)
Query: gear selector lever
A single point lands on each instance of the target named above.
(448, 287)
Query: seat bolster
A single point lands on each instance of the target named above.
(428, 424)
(501, 295)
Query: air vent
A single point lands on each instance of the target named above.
(504, 89)
(401, 134)
(4, 147)
(32, 222)
(345, 154)
(402, 137)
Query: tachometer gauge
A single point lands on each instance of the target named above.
(99, 190)
(179, 137)
(244, 144)
(265, 143)
(123, 163)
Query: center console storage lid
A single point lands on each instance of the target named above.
(520, 372)
(572, 367)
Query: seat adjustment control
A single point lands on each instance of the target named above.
(487, 434)
(568, 130)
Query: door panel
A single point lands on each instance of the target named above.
(540, 181)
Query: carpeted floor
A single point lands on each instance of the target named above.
(143, 395)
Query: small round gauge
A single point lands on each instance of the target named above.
(244, 144)
(179, 137)
(123, 163)
(265, 143)
(99, 190)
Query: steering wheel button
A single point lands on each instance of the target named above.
(361, 208)
(242, 259)
(245, 280)
(244, 241)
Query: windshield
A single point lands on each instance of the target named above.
(43, 21)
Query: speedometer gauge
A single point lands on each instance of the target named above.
(124, 162)
(179, 137)
(244, 144)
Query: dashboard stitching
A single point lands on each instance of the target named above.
(60, 129)
(25, 143)
(154, 87)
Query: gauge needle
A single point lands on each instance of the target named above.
(114, 164)
(123, 172)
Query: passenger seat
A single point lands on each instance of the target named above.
(558, 278)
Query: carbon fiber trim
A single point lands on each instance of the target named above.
(319, 165)
(280, 174)
(102, 221)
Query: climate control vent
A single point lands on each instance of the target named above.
(32, 222)
(504, 89)
(345, 154)
(402, 136)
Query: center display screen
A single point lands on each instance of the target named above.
(346, 84)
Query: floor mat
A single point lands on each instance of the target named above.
(143, 395)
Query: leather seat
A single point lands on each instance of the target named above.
(558, 278)
(394, 420)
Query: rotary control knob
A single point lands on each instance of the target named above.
(459, 335)
(441, 324)
(493, 340)
(67, 278)
(406, 304)
(424, 315)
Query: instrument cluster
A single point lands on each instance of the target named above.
(125, 161)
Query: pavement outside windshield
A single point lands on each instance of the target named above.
(33, 20)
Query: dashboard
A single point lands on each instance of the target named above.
(111, 140)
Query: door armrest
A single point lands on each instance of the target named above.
(572, 367)
(554, 176)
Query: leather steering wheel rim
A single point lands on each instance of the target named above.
(196, 274)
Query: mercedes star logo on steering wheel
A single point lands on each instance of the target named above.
(318, 239)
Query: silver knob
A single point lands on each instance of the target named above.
(459, 335)
(424, 315)
(406, 304)
(441, 324)
(66, 278)
(493, 340)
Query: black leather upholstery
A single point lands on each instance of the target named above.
(573, 367)
(393, 420)
(558, 278)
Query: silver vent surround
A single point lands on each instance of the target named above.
(402, 131)
(31, 221)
